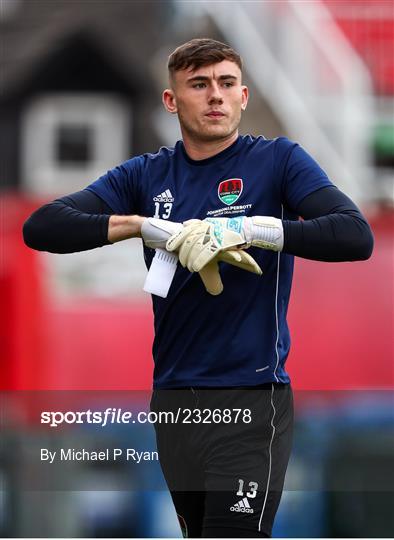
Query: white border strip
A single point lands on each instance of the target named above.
(276, 311)
(270, 457)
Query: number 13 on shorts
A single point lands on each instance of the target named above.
(253, 489)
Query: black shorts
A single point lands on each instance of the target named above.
(225, 458)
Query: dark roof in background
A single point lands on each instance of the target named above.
(125, 32)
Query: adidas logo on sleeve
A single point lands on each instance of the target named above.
(242, 506)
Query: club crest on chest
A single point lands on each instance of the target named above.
(230, 190)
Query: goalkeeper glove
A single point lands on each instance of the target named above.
(156, 232)
(236, 257)
(201, 241)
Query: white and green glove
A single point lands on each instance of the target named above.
(199, 242)
(156, 233)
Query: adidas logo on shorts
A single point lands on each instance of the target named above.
(242, 506)
(166, 196)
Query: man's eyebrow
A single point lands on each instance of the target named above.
(205, 78)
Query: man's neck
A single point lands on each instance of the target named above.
(198, 150)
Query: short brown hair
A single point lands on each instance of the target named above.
(201, 52)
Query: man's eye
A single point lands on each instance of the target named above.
(199, 85)
(228, 84)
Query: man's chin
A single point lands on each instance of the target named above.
(215, 133)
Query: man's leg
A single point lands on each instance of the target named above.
(189, 506)
(180, 462)
(246, 471)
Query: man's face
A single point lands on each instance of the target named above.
(208, 100)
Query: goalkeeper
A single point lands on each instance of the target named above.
(229, 206)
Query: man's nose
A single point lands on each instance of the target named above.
(215, 94)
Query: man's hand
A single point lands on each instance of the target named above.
(156, 232)
(199, 242)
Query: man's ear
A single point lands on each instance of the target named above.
(245, 97)
(169, 101)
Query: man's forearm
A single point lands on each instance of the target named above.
(333, 238)
(124, 227)
(334, 229)
(77, 222)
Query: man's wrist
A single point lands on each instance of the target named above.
(155, 232)
(266, 232)
(124, 227)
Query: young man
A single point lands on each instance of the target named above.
(220, 342)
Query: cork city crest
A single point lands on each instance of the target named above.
(230, 190)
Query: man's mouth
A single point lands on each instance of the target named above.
(215, 114)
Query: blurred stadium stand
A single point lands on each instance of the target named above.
(369, 28)
(74, 75)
